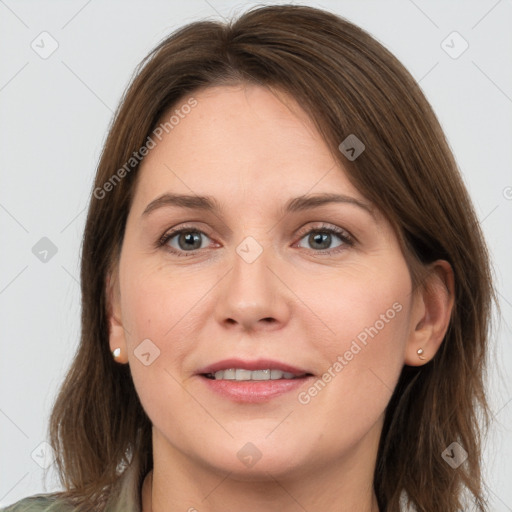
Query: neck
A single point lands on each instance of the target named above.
(274, 497)
(345, 486)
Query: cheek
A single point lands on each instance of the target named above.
(367, 312)
(161, 307)
(159, 302)
(156, 311)
(368, 304)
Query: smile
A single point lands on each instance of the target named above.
(241, 374)
(253, 381)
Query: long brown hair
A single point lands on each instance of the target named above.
(348, 83)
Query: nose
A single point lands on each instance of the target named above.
(253, 296)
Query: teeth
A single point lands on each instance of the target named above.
(241, 374)
(276, 374)
(226, 374)
(260, 375)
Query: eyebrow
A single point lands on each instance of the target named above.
(207, 203)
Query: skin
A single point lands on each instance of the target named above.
(253, 150)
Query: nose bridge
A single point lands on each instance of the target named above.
(252, 295)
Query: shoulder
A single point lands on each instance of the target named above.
(40, 503)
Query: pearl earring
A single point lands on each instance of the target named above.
(116, 352)
(420, 352)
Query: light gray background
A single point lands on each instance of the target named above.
(54, 116)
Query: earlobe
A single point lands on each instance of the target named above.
(431, 314)
(117, 338)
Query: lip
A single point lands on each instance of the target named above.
(251, 391)
(258, 364)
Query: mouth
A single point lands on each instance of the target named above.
(257, 370)
(253, 381)
(243, 374)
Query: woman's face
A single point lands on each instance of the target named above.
(263, 281)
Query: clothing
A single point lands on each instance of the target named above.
(127, 499)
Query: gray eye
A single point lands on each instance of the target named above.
(321, 239)
(189, 240)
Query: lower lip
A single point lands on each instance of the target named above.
(254, 390)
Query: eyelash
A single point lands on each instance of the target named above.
(345, 237)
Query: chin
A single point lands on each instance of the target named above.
(260, 459)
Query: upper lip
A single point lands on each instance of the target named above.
(258, 364)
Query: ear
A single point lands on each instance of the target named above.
(117, 337)
(431, 312)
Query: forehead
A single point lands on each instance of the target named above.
(244, 142)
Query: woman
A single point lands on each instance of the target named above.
(285, 289)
